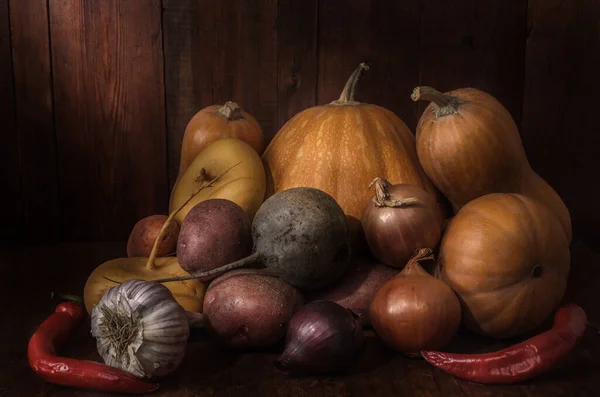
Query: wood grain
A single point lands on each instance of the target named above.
(469, 43)
(241, 29)
(10, 172)
(110, 117)
(382, 33)
(559, 129)
(188, 80)
(267, 79)
(297, 62)
(217, 52)
(210, 370)
(34, 118)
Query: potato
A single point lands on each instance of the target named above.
(245, 309)
(358, 286)
(144, 233)
(214, 233)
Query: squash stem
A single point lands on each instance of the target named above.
(446, 104)
(347, 95)
(210, 274)
(150, 264)
(231, 111)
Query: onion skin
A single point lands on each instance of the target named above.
(358, 286)
(394, 233)
(322, 338)
(415, 311)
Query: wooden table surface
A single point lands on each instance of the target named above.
(31, 272)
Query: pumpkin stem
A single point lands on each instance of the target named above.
(161, 235)
(231, 111)
(347, 96)
(446, 104)
(383, 198)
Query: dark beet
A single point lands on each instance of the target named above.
(358, 286)
(244, 309)
(214, 233)
(301, 235)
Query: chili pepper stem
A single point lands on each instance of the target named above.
(66, 297)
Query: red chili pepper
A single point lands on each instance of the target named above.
(53, 333)
(519, 362)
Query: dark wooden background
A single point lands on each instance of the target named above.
(95, 94)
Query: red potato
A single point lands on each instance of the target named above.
(144, 233)
(358, 286)
(245, 309)
(214, 233)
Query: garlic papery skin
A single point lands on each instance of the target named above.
(139, 327)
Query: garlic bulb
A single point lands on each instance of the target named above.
(139, 327)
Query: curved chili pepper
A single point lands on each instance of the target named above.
(519, 362)
(54, 332)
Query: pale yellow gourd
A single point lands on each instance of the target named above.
(244, 184)
(189, 294)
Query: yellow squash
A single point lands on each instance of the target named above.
(244, 184)
(189, 294)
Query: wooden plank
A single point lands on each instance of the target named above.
(559, 128)
(235, 62)
(382, 33)
(297, 57)
(110, 117)
(10, 174)
(34, 117)
(240, 29)
(469, 43)
(188, 80)
(216, 52)
(266, 113)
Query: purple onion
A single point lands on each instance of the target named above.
(322, 337)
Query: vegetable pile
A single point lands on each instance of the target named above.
(336, 227)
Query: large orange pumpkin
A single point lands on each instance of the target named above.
(469, 145)
(507, 258)
(340, 148)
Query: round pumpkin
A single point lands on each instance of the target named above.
(469, 145)
(340, 148)
(219, 122)
(243, 183)
(507, 258)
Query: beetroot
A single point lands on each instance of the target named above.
(301, 235)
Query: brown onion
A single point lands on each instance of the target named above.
(399, 220)
(322, 337)
(415, 311)
(357, 287)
